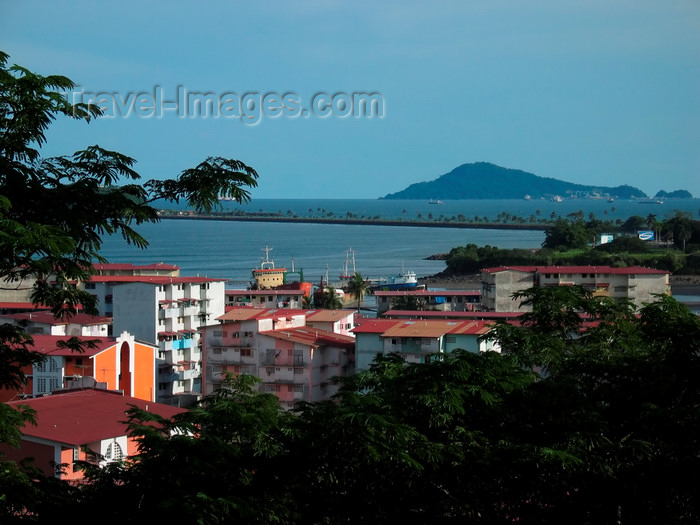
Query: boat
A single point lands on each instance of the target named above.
(405, 280)
(557, 198)
(435, 201)
(651, 202)
(270, 277)
(527, 197)
(348, 272)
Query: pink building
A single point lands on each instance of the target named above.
(294, 352)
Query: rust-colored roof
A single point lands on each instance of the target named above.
(328, 315)
(436, 328)
(242, 313)
(311, 336)
(78, 417)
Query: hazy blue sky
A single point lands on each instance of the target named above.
(594, 92)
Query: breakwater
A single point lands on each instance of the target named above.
(355, 222)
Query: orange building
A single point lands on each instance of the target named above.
(120, 363)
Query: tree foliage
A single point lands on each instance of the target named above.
(54, 214)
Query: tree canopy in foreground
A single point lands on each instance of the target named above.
(54, 213)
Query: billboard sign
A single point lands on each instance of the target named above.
(646, 235)
(605, 238)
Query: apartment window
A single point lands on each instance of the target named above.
(89, 286)
(41, 385)
(216, 351)
(450, 339)
(270, 370)
(246, 352)
(162, 387)
(76, 454)
(272, 388)
(298, 370)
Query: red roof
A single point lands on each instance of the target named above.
(46, 317)
(78, 417)
(153, 279)
(446, 314)
(428, 293)
(129, 266)
(630, 270)
(374, 325)
(311, 336)
(48, 345)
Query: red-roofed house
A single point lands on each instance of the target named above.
(44, 322)
(416, 339)
(636, 283)
(117, 364)
(71, 423)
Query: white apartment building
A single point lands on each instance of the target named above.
(167, 311)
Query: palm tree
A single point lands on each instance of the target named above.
(329, 299)
(357, 287)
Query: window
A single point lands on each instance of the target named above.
(114, 452)
(76, 454)
(450, 339)
(298, 370)
(89, 286)
(216, 351)
(162, 387)
(270, 370)
(246, 352)
(272, 388)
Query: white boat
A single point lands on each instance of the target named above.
(406, 280)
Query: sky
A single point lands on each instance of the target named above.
(330, 99)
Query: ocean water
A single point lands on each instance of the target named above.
(230, 249)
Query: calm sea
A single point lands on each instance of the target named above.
(230, 250)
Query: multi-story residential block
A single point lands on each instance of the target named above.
(281, 298)
(293, 352)
(636, 283)
(417, 340)
(167, 311)
(438, 300)
(72, 424)
(121, 363)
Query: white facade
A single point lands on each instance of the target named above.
(167, 312)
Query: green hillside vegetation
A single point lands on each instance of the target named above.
(483, 180)
(570, 242)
